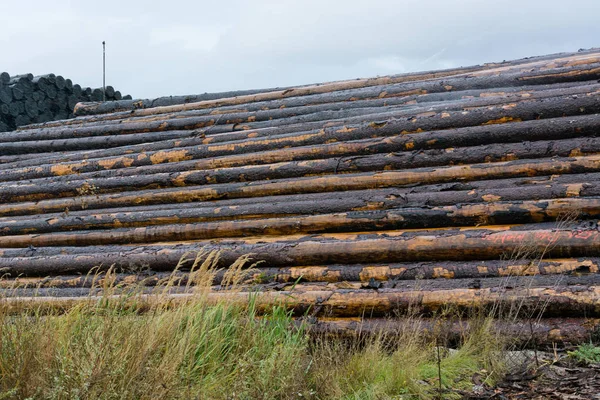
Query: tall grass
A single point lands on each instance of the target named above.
(119, 348)
(112, 350)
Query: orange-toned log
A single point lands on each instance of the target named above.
(448, 244)
(46, 188)
(311, 146)
(582, 301)
(540, 72)
(328, 183)
(525, 110)
(369, 275)
(177, 284)
(438, 195)
(524, 333)
(415, 208)
(353, 221)
(441, 194)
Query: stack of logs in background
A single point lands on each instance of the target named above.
(470, 188)
(25, 99)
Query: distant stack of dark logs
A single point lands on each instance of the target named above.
(474, 188)
(27, 99)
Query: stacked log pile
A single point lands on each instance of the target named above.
(27, 99)
(473, 188)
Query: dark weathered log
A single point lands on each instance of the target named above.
(484, 243)
(566, 63)
(17, 92)
(5, 95)
(31, 109)
(45, 188)
(4, 78)
(97, 94)
(177, 285)
(77, 91)
(239, 115)
(312, 185)
(515, 189)
(184, 123)
(16, 108)
(522, 110)
(528, 302)
(22, 119)
(366, 275)
(524, 333)
(48, 149)
(20, 78)
(132, 105)
(60, 82)
(271, 120)
(345, 96)
(378, 96)
(354, 221)
(334, 203)
(550, 129)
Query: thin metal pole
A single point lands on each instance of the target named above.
(103, 71)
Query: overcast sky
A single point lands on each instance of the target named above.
(167, 47)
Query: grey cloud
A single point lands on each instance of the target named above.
(176, 47)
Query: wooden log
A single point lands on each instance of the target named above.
(183, 124)
(547, 129)
(57, 149)
(77, 91)
(353, 221)
(22, 119)
(280, 206)
(525, 333)
(312, 185)
(31, 109)
(20, 78)
(369, 275)
(60, 82)
(521, 71)
(51, 187)
(346, 96)
(276, 118)
(545, 301)
(449, 244)
(17, 92)
(132, 105)
(508, 190)
(523, 110)
(97, 94)
(459, 118)
(377, 96)
(4, 78)
(248, 114)
(5, 95)
(16, 108)
(243, 285)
